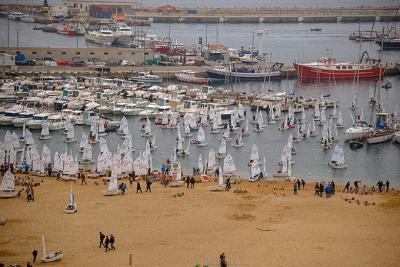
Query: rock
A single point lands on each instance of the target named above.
(3, 220)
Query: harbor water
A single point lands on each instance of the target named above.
(286, 43)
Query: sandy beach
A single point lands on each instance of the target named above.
(266, 226)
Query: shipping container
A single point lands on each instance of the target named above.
(192, 11)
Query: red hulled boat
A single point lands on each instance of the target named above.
(66, 30)
(328, 68)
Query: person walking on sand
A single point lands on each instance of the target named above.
(222, 259)
(387, 186)
(321, 189)
(316, 189)
(148, 185)
(34, 254)
(49, 169)
(295, 188)
(29, 264)
(333, 185)
(347, 187)
(298, 184)
(138, 188)
(192, 182)
(303, 183)
(187, 181)
(106, 242)
(102, 236)
(356, 186)
(112, 240)
(228, 184)
(83, 178)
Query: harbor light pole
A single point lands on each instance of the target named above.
(17, 37)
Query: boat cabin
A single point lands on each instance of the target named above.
(382, 120)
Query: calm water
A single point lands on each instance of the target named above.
(247, 4)
(286, 42)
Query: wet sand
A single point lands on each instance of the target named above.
(263, 227)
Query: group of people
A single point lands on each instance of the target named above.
(148, 186)
(4, 167)
(323, 187)
(381, 186)
(298, 185)
(107, 242)
(30, 195)
(190, 181)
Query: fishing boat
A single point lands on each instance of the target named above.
(37, 121)
(7, 186)
(359, 130)
(66, 30)
(337, 160)
(22, 118)
(380, 136)
(55, 122)
(71, 208)
(316, 29)
(236, 74)
(390, 44)
(329, 68)
(50, 257)
(103, 36)
(189, 76)
(249, 59)
(146, 77)
(253, 155)
(45, 134)
(123, 34)
(396, 137)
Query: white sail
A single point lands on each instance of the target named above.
(229, 164)
(127, 163)
(8, 182)
(260, 120)
(187, 128)
(254, 153)
(226, 134)
(84, 140)
(46, 155)
(87, 153)
(58, 162)
(340, 118)
(8, 140)
(179, 172)
(255, 168)
(71, 132)
(220, 176)
(164, 118)
(178, 134)
(211, 159)
(264, 166)
(200, 164)
(140, 166)
(180, 145)
(201, 137)
(36, 162)
(15, 140)
(113, 185)
(29, 138)
(69, 166)
(103, 145)
(222, 147)
(101, 128)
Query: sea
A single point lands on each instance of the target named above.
(285, 43)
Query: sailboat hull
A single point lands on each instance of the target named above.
(314, 71)
(53, 256)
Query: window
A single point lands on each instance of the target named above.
(105, 53)
(63, 53)
(34, 52)
(133, 53)
(77, 53)
(350, 67)
(49, 52)
(344, 67)
(146, 53)
(119, 53)
(91, 53)
(338, 67)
